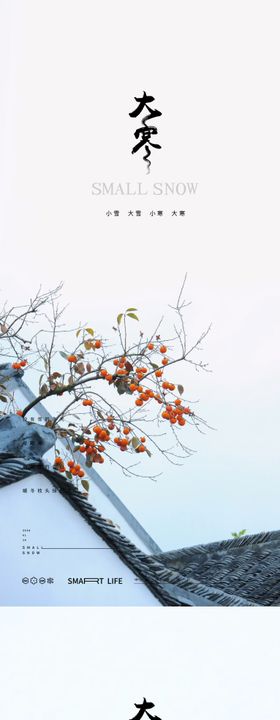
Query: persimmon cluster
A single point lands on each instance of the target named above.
(94, 448)
(174, 413)
(20, 364)
(129, 377)
(74, 468)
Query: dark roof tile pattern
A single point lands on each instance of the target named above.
(246, 568)
(239, 572)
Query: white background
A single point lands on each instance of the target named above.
(70, 72)
(203, 664)
(54, 523)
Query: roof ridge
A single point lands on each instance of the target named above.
(254, 539)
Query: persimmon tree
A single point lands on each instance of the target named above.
(110, 389)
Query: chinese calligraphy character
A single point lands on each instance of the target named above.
(144, 134)
(143, 708)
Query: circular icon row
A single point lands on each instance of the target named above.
(34, 580)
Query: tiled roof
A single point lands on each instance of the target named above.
(144, 566)
(247, 569)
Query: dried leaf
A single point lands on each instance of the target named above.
(88, 344)
(85, 484)
(49, 423)
(4, 329)
(44, 390)
(88, 367)
(128, 366)
(63, 354)
(3, 398)
(78, 332)
(180, 389)
(79, 368)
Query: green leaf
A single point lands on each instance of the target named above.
(68, 475)
(130, 309)
(239, 534)
(132, 315)
(63, 354)
(121, 386)
(135, 442)
(119, 318)
(78, 332)
(3, 398)
(148, 452)
(90, 331)
(85, 484)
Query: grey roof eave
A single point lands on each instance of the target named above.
(95, 477)
(144, 566)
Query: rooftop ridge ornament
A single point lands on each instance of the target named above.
(22, 440)
(145, 132)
